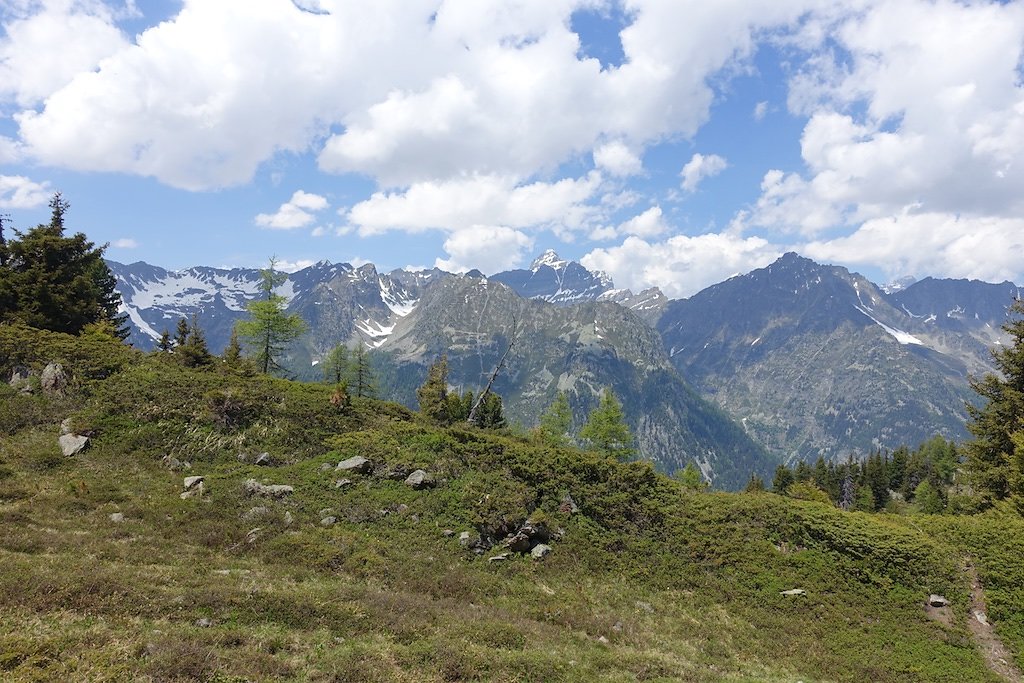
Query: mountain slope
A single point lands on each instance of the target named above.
(813, 360)
(579, 349)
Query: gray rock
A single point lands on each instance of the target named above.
(617, 627)
(519, 543)
(253, 535)
(602, 640)
(981, 617)
(264, 460)
(173, 464)
(342, 483)
(326, 466)
(117, 517)
(448, 533)
(794, 591)
(357, 464)
(53, 380)
(204, 623)
(65, 426)
(330, 520)
(254, 488)
(242, 457)
(288, 519)
(419, 480)
(464, 538)
(326, 511)
(255, 513)
(72, 444)
(540, 551)
(937, 600)
(21, 379)
(500, 557)
(402, 508)
(192, 482)
(568, 504)
(194, 492)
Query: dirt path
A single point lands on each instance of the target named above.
(995, 654)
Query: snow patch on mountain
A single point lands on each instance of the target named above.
(900, 336)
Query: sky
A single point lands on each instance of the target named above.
(669, 143)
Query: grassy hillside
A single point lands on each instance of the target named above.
(107, 573)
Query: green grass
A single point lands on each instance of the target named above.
(647, 582)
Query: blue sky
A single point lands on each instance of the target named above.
(667, 142)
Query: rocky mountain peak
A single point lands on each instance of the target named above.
(549, 258)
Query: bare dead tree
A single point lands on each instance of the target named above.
(497, 368)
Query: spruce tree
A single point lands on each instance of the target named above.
(194, 352)
(782, 479)
(606, 430)
(181, 333)
(164, 345)
(990, 455)
(55, 282)
(232, 356)
(433, 393)
(269, 330)
(489, 414)
(691, 478)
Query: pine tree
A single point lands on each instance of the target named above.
(194, 352)
(782, 479)
(165, 345)
(489, 413)
(181, 333)
(59, 283)
(754, 485)
(556, 421)
(232, 356)
(990, 456)
(606, 430)
(269, 330)
(433, 394)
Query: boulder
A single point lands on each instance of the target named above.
(448, 533)
(204, 623)
(288, 519)
(794, 591)
(192, 482)
(464, 538)
(255, 513)
(53, 380)
(519, 543)
(264, 460)
(500, 557)
(21, 379)
(330, 520)
(72, 444)
(117, 517)
(342, 483)
(419, 480)
(540, 551)
(937, 600)
(357, 464)
(254, 488)
(65, 426)
(175, 465)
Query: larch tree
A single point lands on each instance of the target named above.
(556, 421)
(269, 330)
(606, 430)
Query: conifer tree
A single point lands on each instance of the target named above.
(691, 478)
(165, 345)
(194, 352)
(606, 430)
(336, 365)
(269, 330)
(489, 413)
(754, 485)
(782, 479)
(556, 421)
(433, 394)
(232, 356)
(55, 282)
(363, 378)
(990, 456)
(181, 333)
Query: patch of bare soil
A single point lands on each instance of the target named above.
(996, 656)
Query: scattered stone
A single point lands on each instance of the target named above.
(288, 519)
(415, 519)
(253, 534)
(602, 640)
(330, 520)
(500, 557)
(117, 517)
(419, 480)
(568, 505)
(263, 460)
(173, 464)
(617, 627)
(403, 508)
(981, 617)
(937, 600)
(21, 379)
(254, 488)
(540, 551)
(192, 482)
(326, 466)
(242, 457)
(342, 483)
(519, 543)
(794, 591)
(357, 464)
(644, 606)
(72, 444)
(204, 623)
(53, 380)
(464, 538)
(448, 533)
(397, 473)
(255, 513)
(65, 426)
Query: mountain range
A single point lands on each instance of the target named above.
(795, 360)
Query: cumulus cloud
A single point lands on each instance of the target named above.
(490, 249)
(681, 265)
(617, 159)
(650, 223)
(295, 213)
(288, 266)
(700, 167)
(479, 200)
(760, 110)
(125, 243)
(19, 192)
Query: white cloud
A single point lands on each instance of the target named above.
(760, 110)
(19, 192)
(922, 244)
(650, 223)
(295, 213)
(681, 265)
(490, 249)
(124, 243)
(287, 266)
(318, 231)
(618, 159)
(700, 167)
(479, 200)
